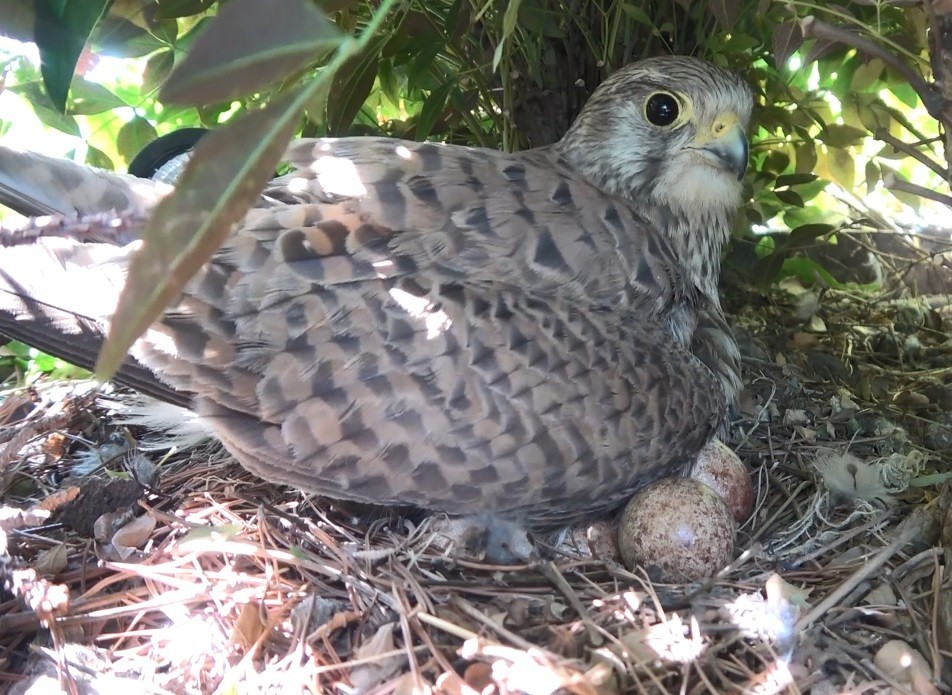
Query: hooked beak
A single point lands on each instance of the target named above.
(726, 147)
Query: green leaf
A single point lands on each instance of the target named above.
(97, 158)
(842, 168)
(765, 247)
(805, 154)
(809, 271)
(794, 179)
(40, 101)
(509, 21)
(224, 177)
(637, 14)
(777, 161)
(133, 136)
(872, 176)
(157, 69)
(87, 98)
(807, 234)
(422, 63)
(389, 82)
(725, 11)
(173, 9)
(120, 38)
(787, 38)
(351, 86)
(906, 94)
(248, 46)
(432, 109)
(789, 197)
(766, 270)
(62, 29)
(19, 20)
(842, 136)
(866, 75)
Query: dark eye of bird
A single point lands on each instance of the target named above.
(662, 109)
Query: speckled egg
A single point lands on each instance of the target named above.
(721, 469)
(678, 529)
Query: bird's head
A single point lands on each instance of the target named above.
(668, 134)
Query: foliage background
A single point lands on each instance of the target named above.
(840, 132)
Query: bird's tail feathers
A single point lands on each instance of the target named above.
(58, 295)
(35, 184)
(168, 426)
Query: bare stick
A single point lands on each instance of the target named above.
(895, 183)
(906, 148)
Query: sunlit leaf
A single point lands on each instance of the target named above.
(133, 136)
(61, 31)
(389, 82)
(228, 169)
(805, 156)
(249, 45)
(842, 136)
(839, 167)
(509, 21)
(171, 9)
(872, 176)
(765, 246)
(40, 102)
(907, 95)
(90, 97)
(97, 158)
(866, 75)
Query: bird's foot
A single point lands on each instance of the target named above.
(488, 537)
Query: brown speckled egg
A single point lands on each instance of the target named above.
(678, 529)
(721, 469)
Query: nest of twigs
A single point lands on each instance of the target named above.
(182, 573)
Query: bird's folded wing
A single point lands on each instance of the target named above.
(481, 217)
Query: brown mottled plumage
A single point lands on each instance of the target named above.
(533, 334)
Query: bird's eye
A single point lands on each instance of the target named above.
(662, 109)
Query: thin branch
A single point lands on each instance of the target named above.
(893, 182)
(931, 98)
(889, 3)
(910, 150)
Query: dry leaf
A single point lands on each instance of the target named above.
(907, 666)
(779, 589)
(133, 535)
(52, 561)
(366, 676)
(249, 627)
